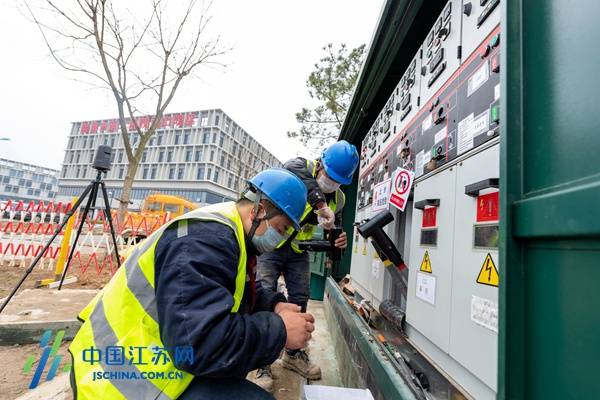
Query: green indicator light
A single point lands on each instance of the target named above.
(495, 40)
(495, 113)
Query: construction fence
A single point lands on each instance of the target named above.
(26, 227)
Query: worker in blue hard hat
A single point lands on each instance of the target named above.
(322, 178)
(185, 311)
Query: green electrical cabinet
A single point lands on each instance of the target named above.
(549, 343)
(317, 269)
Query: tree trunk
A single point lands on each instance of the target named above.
(126, 193)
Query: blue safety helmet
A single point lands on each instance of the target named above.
(285, 190)
(340, 161)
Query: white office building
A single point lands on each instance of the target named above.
(22, 181)
(203, 156)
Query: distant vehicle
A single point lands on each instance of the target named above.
(155, 209)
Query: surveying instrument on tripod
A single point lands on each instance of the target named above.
(102, 165)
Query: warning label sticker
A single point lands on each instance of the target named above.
(426, 264)
(488, 275)
(484, 312)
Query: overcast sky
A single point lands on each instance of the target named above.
(275, 45)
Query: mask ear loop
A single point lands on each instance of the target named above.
(257, 220)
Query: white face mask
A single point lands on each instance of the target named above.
(327, 185)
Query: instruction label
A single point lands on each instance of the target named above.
(478, 78)
(470, 127)
(488, 275)
(426, 263)
(381, 195)
(484, 312)
(425, 289)
(375, 267)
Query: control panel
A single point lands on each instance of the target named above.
(441, 122)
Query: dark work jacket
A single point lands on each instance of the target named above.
(195, 282)
(315, 195)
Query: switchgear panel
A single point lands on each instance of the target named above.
(442, 122)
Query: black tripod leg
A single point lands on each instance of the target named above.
(110, 223)
(72, 251)
(43, 251)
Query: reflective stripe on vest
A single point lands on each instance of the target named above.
(307, 231)
(124, 315)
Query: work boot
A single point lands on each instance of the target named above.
(264, 378)
(298, 361)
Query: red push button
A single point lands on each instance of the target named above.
(496, 63)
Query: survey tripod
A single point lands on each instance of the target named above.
(102, 165)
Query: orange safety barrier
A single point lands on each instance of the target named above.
(25, 226)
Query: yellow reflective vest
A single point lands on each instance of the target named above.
(123, 315)
(307, 231)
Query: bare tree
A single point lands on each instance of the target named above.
(141, 61)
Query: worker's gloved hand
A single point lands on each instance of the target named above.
(283, 306)
(325, 217)
(299, 327)
(342, 241)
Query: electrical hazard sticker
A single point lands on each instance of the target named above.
(488, 275)
(426, 264)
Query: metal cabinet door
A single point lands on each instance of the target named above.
(474, 324)
(433, 320)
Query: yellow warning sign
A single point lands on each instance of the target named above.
(488, 275)
(426, 263)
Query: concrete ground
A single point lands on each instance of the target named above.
(288, 384)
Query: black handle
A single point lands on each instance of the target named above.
(420, 205)
(474, 188)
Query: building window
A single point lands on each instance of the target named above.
(205, 137)
(222, 139)
(216, 177)
(177, 138)
(144, 155)
(186, 137)
(214, 137)
(77, 172)
(230, 181)
(159, 139)
(172, 172)
(208, 172)
(222, 160)
(121, 170)
(217, 119)
(180, 173)
(153, 173)
(77, 158)
(212, 155)
(161, 156)
(151, 142)
(188, 155)
(145, 174)
(170, 156)
(198, 155)
(120, 156)
(83, 175)
(200, 173)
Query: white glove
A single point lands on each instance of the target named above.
(325, 217)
